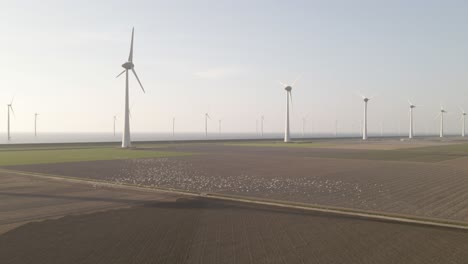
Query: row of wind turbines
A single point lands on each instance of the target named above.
(126, 139)
(129, 66)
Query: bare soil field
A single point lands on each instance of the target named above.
(197, 230)
(414, 182)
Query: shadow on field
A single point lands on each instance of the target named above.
(73, 198)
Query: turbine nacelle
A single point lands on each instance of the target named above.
(288, 88)
(128, 65)
(366, 99)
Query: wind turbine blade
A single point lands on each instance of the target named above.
(12, 99)
(138, 79)
(120, 74)
(461, 109)
(409, 102)
(130, 57)
(13, 111)
(284, 85)
(297, 78)
(437, 116)
(360, 95)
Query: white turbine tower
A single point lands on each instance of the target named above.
(219, 124)
(10, 107)
(35, 124)
(126, 143)
(463, 117)
(288, 88)
(411, 123)
(441, 115)
(364, 127)
(207, 116)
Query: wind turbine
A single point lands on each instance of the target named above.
(10, 106)
(115, 119)
(173, 126)
(207, 116)
(441, 115)
(128, 66)
(463, 117)
(411, 125)
(288, 88)
(364, 129)
(219, 124)
(35, 124)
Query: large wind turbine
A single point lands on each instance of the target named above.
(128, 66)
(10, 107)
(364, 127)
(411, 125)
(441, 115)
(207, 116)
(463, 117)
(35, 124)
(288, 88)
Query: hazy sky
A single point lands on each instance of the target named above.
(60, 59)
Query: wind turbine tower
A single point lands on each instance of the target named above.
(288, 88)
(411, 124)
(115, 119)
(364, 128)
(441, 115)
(463, 117)
(10, 107)
(128, 66)
(206, 123)
(35, 124)
(219, 124)
(173, 126)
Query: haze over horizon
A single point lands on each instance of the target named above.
(60, 59)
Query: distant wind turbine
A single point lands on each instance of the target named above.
(411, 125)
(463, 117)
(35, 124)
(441, 115)
(207, 116)
(219, 124)
(126, 142)
(364, 129)
(173, 126)
(288, 88)
(10, 107)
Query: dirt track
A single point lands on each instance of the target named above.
(204, 231)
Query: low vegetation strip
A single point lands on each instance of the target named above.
(25, 157)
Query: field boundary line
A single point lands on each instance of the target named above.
(350, 212)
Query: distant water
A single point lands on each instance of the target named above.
(23, 138)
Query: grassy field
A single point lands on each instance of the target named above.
(282, 144)
(23, 156)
